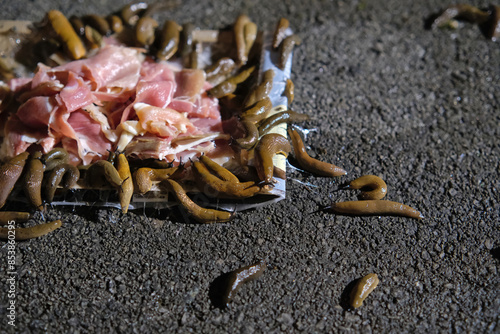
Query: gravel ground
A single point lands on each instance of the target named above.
(419, 108)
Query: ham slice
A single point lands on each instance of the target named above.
(164, 122)
(115, 99)
(90, 140)
(112, 66)
(35, 113)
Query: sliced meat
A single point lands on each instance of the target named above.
(190, 83)
(164, 122)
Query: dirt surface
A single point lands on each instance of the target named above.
(419, 108)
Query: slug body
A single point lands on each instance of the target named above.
(32, 181)
(30, 232)
(127, 187)
(374, 208)
(102, 174)
(99, 23)
(460, 12)
(289, 91)
(262, 90)
(218, 170)
(65, 175)
(186, 40)
(250, 35)
(115, 23)
(145, 31)
(362, 289)
(286, 48)
(6, 216)
(201, 215)
(213, 186)
(239, 36)
(251, 137)
(288, 117)
(130, 13)
(268, 146)
(229, 85)
(169, 41)
(145, 176)
(310, 164)
(238, 277)
(220, 70)
(372, 187)
(65, 31)
(280, 32)
(10, 172)
(258, 111)
(54, 158)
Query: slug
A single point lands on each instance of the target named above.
(262, 90)
(250, 35)
(374, 208)
(372, 187)
(145, 176)
(213, 186)
(240, 39)
(288, 117)
(286, 48)
(280, 32)
(102, 174)
(97, 22)
(115, 23)
(460, 12)
(258, 110)
(26, 233)
(65, 31)
(310, 164)
(240, 276)
(145, 31)
(130, 13)
(229, 85)
(17, 216)
(201, 215)
(169, 40)
(10, 172)
(32, 180)
(289, 91)
(268, 146)
(362, 289)
(77, 25)
(186, 42)
(251, 137)
(54, 158)
(66, 174)
(127, 187)
(218, 170)
(219, 70)
(491, 28)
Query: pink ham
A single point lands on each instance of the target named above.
(75, 94)
(168, 103)
(91, 142)
(189, 83)
(162, 71)
(35, 113)
(164, 122)
(18, 138)
(112, 66)
(155, 93)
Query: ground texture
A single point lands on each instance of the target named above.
(419, 108)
